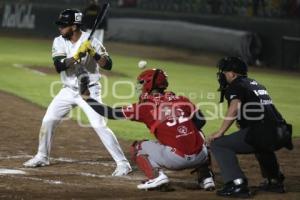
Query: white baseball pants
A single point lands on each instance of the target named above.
(61, 105)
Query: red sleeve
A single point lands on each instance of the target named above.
(130, 112)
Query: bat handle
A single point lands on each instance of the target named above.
(81, 55)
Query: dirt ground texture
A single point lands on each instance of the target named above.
(81, 167)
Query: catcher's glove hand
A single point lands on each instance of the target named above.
(83, 81)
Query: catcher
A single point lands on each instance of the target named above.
(175, 123)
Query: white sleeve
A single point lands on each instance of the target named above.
(98, 46)
(58, 48)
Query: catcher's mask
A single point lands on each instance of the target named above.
(151, 79)
(227, 64)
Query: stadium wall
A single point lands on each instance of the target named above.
(269, 30)
(31, 20)
(37, 20)
(185, 35)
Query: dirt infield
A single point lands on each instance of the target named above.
(81, 167)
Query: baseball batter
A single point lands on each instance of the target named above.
(176, 124)
(77, 61)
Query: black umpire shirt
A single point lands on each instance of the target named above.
(256, 104)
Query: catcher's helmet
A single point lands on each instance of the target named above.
(153, 79)
(234, 64)
(69, 17)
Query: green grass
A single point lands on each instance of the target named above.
(197, 82)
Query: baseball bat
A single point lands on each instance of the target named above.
(99, 19)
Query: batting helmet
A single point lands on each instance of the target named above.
(69, 17)
(153, 79)
(234, 64)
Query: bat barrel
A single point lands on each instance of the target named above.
(99, 19)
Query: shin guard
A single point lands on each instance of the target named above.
(144, 165)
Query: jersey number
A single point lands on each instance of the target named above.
(177, 119)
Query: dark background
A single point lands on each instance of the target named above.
(271, 20)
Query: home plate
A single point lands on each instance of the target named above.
(11, 171)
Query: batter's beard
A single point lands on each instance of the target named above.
(68, 35)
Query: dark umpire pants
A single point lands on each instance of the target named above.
(227, 147)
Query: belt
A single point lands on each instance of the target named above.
(94, 84)
(76, 88)
(179, 153)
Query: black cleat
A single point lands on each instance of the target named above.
(235, 190)
(272, 185)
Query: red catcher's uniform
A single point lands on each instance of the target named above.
(169, 117)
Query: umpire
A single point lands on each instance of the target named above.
(262, 131)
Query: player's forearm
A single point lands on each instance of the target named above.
(63, 63)
(106, 111)
(225, 125)
(104, 62)
(231, 115)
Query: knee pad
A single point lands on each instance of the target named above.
(133, 151)
(135, 147)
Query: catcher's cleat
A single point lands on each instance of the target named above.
(208, 184)
(159, 182)
(37, 161)
(205, 177)
(122, 169)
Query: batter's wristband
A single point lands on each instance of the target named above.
(97, 57)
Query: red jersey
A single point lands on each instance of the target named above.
(169, 117)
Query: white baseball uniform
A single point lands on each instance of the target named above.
(68, 97)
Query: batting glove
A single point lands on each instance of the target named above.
(81, 52)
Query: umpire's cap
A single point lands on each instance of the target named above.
(69, 17)
(234, 64)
